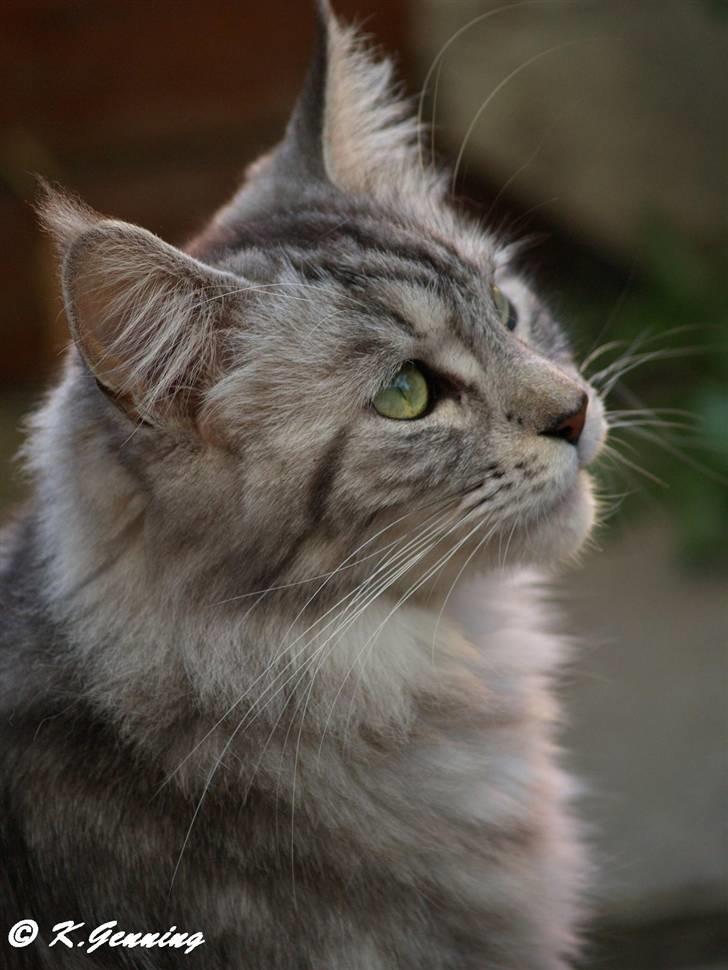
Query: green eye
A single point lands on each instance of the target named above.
(405, 397)
(506, 310)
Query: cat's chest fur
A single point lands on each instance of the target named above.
(390, 823)
(425, 789)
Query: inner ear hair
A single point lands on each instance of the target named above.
(146, 317)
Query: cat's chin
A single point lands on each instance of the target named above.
(550, 533)
(557, 530)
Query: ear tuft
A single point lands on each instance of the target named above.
(370, 134)
(63, 216)
(145, 316)
(351, 128)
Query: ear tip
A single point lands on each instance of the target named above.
(62, 214)
(325, 16)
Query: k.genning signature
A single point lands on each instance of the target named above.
(107, 934)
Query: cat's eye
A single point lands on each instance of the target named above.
(405, 397)
(506, 310)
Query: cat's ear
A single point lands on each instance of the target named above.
(369, 134)
(350, 125)
(145, 316)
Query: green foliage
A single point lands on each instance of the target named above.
(717, 9)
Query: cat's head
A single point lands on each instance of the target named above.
(339, 363)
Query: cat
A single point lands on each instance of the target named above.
(276, 662)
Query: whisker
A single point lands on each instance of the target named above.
(600, 351)
(610, 451)
(557, 48)
(437, 60)
(612, 315)
(679, 453)
(547, 134)
(641, 359)
(679, 412)
(639, 422)
(643, 339)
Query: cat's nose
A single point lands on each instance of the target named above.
(569, 426)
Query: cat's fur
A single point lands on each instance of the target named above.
(371, 775)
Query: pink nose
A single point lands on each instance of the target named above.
(569, 426)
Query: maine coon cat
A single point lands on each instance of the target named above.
(274, 662)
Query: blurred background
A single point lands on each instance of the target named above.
(600, 131)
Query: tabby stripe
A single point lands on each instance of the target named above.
(325, 476)
(318, 228)
(350, 280)
(314, 268)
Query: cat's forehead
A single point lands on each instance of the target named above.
(331, 228)
(428, 276)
